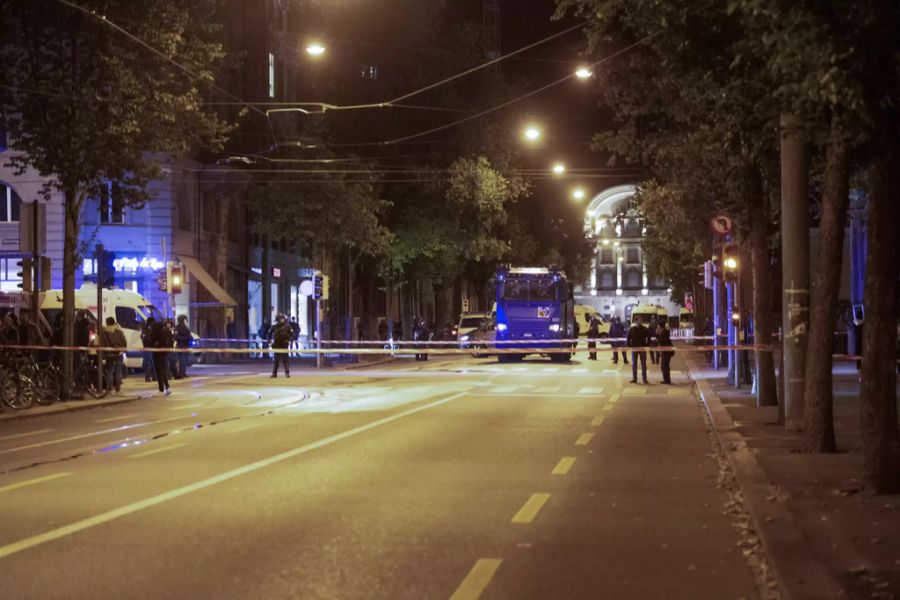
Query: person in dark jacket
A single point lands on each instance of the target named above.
(617, 331)
(651, 340)
(183, 339)
(112, 336)
(664, 340)
(637, 338)
(420, 334)
(161, 337)
(593, 334)
(280, 340)
(147, 360)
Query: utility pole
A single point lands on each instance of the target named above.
(795, 268)
(99, 271)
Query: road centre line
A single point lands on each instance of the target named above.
(597, 421)
(526, 514)
(158, 450)
(111, 419)
(66, 530)
(21, 484)
(21, 435)
(77, 437)
(477, 580)
(614, 398)
(563, 466)
(584, 439)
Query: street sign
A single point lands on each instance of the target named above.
(306, 287)
(721, 224)
(465, 305)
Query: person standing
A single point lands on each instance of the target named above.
(593, 333)
(420, 334)
(161, 338)
(637, 338)
(112, 336)
(147, 360)
(664, 339)
(651, 340)
(617, 332)
(183, 339)
(281, 334)
(295, 335)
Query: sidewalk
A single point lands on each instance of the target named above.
(824, 536)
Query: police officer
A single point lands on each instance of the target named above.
(637, 338)
(280, 339)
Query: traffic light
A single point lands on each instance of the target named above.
(708, 275)
(176, 278)
(730, 261)
(25, 271)
(108, 273)
(325, 282)
(318, 283)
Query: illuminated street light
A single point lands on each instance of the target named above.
(532, 133)
(315, 49)
(559, 168)
(578, 193)
(583, 73)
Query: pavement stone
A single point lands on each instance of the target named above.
(825, 537)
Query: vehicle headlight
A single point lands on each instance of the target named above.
(501, 326)
(464, 338)
(554, 327)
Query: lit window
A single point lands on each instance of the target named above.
(271, 75)
(9, 205)
(369, 71)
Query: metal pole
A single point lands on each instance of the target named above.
(100, 275)
(732, 337)
(795, 261)
(320, 360)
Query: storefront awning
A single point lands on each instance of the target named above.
(193, 265)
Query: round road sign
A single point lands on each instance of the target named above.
(721, 224)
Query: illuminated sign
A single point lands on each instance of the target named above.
(133, 264)
(276, 272)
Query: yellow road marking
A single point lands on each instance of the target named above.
(563, 466)
(158, 450)
(531, 508)
(21, 435)
(21, 484)
(117, 513)
(584, 439)
(635, 391)
(111, 419)
(597, 421)
(608, 407)
(478, 578)
(614, 398)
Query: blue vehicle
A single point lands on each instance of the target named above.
(535, 311)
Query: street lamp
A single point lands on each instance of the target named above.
(558, 168)
(315, 49)
(583, 73)
(532, 133)
(578, 193)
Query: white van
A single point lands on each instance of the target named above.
(129, 309)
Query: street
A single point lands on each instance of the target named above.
(457, 477)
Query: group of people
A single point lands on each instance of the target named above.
(160, 364)
(655, 335)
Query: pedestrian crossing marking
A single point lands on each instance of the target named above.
(503, 389)
(563, 466)
(477, 580)
(579, 370)
(593, 391)
(548, 389)
(28, 482)
(549, 369)
(531, 508)
(634, 391)
(597, 421)
(584, 439)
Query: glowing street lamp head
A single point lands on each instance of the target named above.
(558, 168)
(532, 133)
(315, 49)
(583, 73)
(578, 193)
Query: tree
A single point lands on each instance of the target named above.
(87, 104)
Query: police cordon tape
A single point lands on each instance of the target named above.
(422, 348)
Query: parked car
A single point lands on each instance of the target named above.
(468, 323)
(481, 338)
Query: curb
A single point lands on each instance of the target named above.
(799, 574)
(65, 407)
(374, 363)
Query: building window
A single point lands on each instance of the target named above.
(607, 279)
(369, 71)
(10, 203)
(271, 75)
(632, 279)
(606, 256)
(632, 256)
(112, 204)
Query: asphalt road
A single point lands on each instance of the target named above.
(455, 478)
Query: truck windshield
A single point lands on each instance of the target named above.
(529, 289)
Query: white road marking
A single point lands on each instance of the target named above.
(21, 435)
(503, 389)
(21, 484)
(158, 450)
(66, 530)
(549, 369)
(111, 419)
(593, 391)
(548, 389)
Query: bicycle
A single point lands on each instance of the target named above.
(16, 390)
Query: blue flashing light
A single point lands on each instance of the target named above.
(501, 326)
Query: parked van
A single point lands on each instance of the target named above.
(583, 315)
(649, 312)
(129, 309)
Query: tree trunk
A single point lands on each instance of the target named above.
(878, 390)
(766, 394)
(819, 431)
(72, 210)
